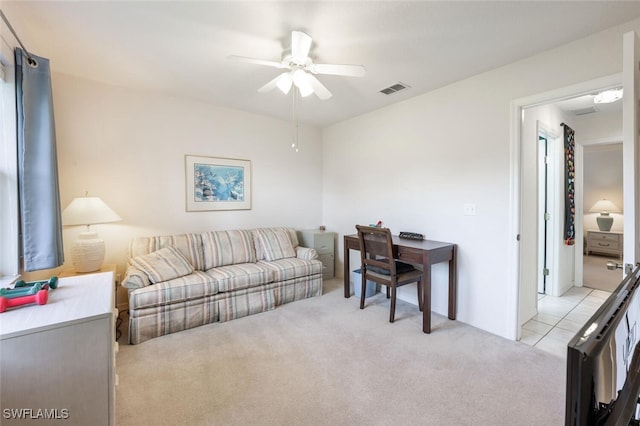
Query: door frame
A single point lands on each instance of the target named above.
(517, 108)
(630, 149)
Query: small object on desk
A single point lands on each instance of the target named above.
(411, 236)
(40, 298)
(11, 293)
(52, 282)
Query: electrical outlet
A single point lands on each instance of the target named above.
(469, 209)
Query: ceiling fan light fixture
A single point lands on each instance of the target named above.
(301, 80)
(284, 82)
(301, 69)
(608, 96)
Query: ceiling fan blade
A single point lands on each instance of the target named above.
(335, 69)
(258, 61)
(300, 46)
(280, 82)
(318, 88)
(270, 85)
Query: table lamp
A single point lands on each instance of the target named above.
(88, 251)
(604, 207)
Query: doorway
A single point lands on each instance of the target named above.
(603, 179)
(543, 112)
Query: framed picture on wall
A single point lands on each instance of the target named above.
(217, 183)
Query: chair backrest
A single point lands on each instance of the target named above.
(376, 248)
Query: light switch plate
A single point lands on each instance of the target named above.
(469, 209)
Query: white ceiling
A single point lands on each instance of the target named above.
(182, 48)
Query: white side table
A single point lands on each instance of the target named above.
(604, 242)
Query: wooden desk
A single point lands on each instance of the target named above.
(425, 253)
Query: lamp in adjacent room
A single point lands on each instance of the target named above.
(88, 251)
(604, 207)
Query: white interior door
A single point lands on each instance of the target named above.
(630, 166)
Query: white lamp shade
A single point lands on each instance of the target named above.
(88, 211)
(604, 206)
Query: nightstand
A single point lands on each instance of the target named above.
(604, 242)
(324, 243)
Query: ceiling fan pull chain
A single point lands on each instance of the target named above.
(295, 143)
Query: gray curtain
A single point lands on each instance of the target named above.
(39, 195)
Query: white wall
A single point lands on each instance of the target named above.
(603, 179)
(600, 135)
(129, 148)
(599, 128)
(416, 163)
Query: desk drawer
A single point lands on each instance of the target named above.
(410, 255)
(328, 264)
(324, 243)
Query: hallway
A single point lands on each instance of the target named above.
(560, 318)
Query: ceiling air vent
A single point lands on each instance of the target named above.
(394, 88)
(585, 111)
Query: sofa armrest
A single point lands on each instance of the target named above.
(135, 278)
(306, 253)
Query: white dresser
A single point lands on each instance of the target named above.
(604, 242)
(57, 361)
(324, 243)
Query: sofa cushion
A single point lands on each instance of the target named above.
(275, 243)
(163, 265)
(223, 248)
(306, 253)
(190, 245)
(193, 286)
(243, 275)
(260, 255)
(290, 268)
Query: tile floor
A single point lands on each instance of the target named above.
(560, 318)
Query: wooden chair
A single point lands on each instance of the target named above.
(379, 264)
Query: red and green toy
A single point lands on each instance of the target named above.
(25, 293)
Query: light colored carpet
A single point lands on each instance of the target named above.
(323, 361)
(596, 275)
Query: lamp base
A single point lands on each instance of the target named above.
(87, 253)
(604, 222)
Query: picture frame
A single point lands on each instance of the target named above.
(214, 183)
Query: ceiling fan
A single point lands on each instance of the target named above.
(300, 69)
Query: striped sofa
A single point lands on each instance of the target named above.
(182, 281)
